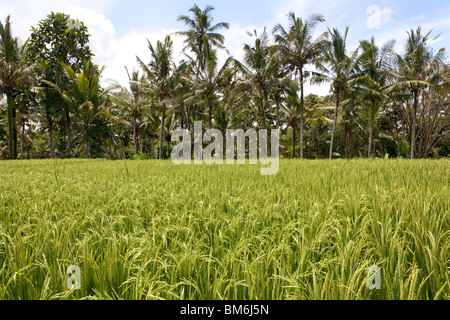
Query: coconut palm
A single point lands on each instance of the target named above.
(336, 67)
(206, 86)
(181, 109)
(292, 117)
(202, 31)
(297, 48)
(282, 90)
(369, 85)
(85, 95)
(258, 72)
(161, 78)
(415, 71)
(132, 103)
(13, 73)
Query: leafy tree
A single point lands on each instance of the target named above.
(55, 42)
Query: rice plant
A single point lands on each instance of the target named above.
(154, 230)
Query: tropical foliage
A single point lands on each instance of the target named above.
(381, 102)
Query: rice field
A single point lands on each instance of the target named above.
(154, 230)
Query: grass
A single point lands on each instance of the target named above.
(153, 230)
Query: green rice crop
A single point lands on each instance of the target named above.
(154, 230)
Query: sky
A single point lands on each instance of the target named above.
(120, 29)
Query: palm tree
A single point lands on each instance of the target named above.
(373, 79)
(283, 90)
(291, 111)
(12, 72)
(298, 48)
(132, 103)
(206, 86)
(202, 32)
(181, 109)
(85, 95)
(161, 78)
(258, 73)
(336, 67)
(416, 71)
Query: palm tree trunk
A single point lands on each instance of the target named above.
(372, 121)
(50, 132)
(278, 114)
(302, 105)
(188, 117)
(15, 132)
(182, 119)
(338, 102)
(69, 132)
(413, 134)
(135, 136)
(347, 140)
(263, 112)
(22, 137)
(294, 138)
(88, 148)
(264, 118)
(210, 112)
(163, 113)
(10, 127)
(351, 143)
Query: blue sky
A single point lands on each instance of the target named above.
(154, 14)
(120, 28)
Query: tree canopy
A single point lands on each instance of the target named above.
(382, 103)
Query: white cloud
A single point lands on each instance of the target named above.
(235, 38)
(27, 13)
(135, 44)
(111, 51)
(102, 41)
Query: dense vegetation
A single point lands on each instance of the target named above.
(381, 102)
(137, 230)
